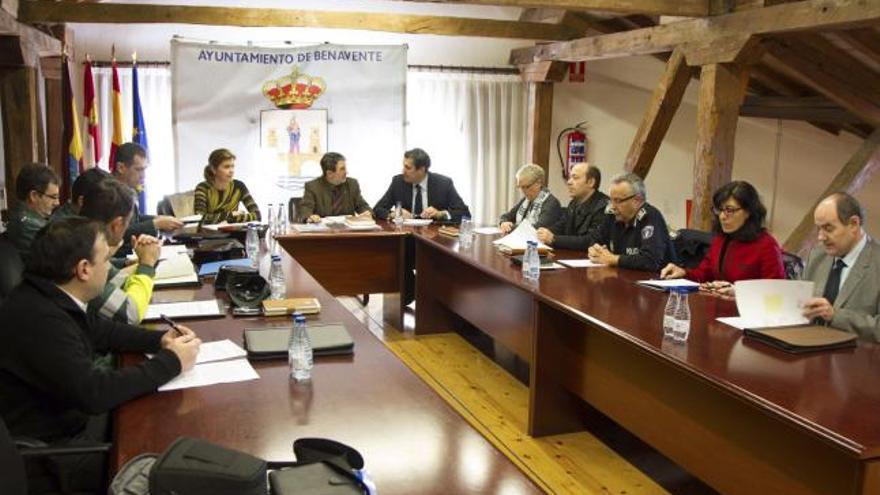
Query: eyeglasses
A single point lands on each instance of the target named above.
(53, 197)
(617, 201)
(727, 210)
(526, 186)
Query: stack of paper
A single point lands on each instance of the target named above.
(333, 221)
(188, 309)
(417, 222)
(191, 218)
(515, 242)
(175, 269)
(237, 370)
(770, 303)
(365, 222)
(581, 263)
(666, 285)
(310, 227)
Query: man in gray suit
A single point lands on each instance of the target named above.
(846, 269)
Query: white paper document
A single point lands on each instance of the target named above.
(220, 350)
(487, 230)
(515, 241)
(669, 284)
(175, 265)
(333, 220)
(238, 370)
(310, 227)
(417, 222)
(584, 263)
(191, 218)
(770, 303)
(187, 309)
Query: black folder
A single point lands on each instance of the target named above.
(271, 342)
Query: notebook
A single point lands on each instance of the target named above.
(305, 305)
(271, 342)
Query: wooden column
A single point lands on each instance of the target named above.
(722, 89)
(540, 77)
(21, 120)
(851, 178)
(51, 68)
(664, 103)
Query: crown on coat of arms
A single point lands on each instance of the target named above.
(294, 91)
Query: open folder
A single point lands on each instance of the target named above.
(515, 242)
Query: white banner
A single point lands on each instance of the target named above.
(279, 109)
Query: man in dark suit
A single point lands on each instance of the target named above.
(579, 224)
(420, 193)
(845, 268)
(51, 390)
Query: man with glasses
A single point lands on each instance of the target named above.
(36, 189)
(539, 206)
(579, 224)
(636, 236)
(846, 269)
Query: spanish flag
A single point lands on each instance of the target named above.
(90, 112)
(117, 118)
(73, 155)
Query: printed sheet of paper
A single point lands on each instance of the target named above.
(238, 370)
(584, 263)
(669, 284)
(517, 239)
(487, 230)
(187, 309)
(770, 303)
(219, 350)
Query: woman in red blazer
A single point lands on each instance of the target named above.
(742, 249)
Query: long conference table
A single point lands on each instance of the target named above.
(411, 440)
(743, 417)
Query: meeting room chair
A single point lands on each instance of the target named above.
(14, 451)
(793, 265)
(292, 208)
(691, 246)
(11, 266)
(178, 205)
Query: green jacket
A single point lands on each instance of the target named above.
(23, 225)
(318, 199)
(64, 211)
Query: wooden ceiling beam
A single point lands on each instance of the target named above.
(103, 13)
(778, 19)
(32, 43)
(810, 108)
(648, 7)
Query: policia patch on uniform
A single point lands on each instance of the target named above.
(647, 231)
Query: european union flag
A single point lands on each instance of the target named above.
(139, 130)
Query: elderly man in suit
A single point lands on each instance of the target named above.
(846, 269)
(421, 194)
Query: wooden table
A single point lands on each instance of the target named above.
(412, 441)
(743, 417)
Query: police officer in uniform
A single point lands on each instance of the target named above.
(634, 234)
(36, 189)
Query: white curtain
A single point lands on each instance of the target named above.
(474, 128)
(155, 93)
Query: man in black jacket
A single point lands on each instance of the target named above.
(581, 220)
(421, 194)
(635, 236)
(51, 391)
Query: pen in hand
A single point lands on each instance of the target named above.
(172, 324)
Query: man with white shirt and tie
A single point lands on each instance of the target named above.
(846, 269)
(420, 193)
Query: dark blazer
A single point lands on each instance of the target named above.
(857, 307)
(579, 225)
(550, 213)
(318, 199)
(48, 382)
(441, 195)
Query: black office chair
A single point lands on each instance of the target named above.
(14, 452)
(11, 266)
(691, 246)
(794, 266)
(292, 208)
(164, 207)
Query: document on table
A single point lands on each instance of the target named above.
(584, 263)
(166, 252)
(515, 242)
(237, 370)
(417, 222)
(770, 303)
(310, 227)
(219, 350)
(191, 218)
(188, 309)
(665, 285)
(487, 230)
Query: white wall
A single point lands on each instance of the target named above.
(614, 99)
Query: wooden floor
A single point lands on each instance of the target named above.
(496, 405)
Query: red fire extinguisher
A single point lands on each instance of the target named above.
(575, 147)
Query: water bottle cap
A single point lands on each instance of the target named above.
(276, 257)
(532, 243)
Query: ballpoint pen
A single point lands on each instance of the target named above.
(173, 325)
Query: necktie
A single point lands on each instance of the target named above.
(336, 201)
(417, 203)
(832, 286)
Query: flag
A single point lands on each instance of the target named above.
(138, 131)
(73, 155)
(90, 111)
(117, 119)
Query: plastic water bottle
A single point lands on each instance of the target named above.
(682, 324)
(531, 266)
(669, 312)
(466, 233)
(299, 352)
(276, 279)
(280, 219)
(397, 214)
(272, 222)
(252, 243)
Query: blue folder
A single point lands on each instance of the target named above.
(213, 267)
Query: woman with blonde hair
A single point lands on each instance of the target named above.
(218, 197)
